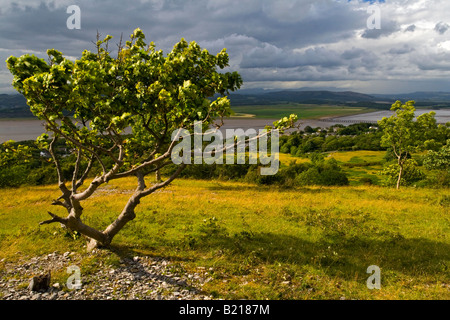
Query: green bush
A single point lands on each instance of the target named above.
(333, 177)
(411, 173)
(309, 177)
(13, 176)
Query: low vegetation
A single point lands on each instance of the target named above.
(317, 245)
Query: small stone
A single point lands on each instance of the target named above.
(66, 254)
(56, 285)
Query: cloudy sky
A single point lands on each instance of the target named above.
(272, 43)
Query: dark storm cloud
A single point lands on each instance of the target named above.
(437, 61)
(411, 28)
(388, 28)
(271, 56)
(441, 27)
(401, 50)
(273, 21)
(268, 40)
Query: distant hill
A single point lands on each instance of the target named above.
(300, 96)
(422, 97)
(348, 98)
(15, 106)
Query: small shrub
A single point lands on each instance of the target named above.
(309, 177)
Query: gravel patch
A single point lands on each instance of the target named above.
(137, 278)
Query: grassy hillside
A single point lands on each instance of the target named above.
(260, 242)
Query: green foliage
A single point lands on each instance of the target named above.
(402, 133)
(309, 177)
(300, 143)
(411, 173)
(13, 176)
(12, 153)
(317, 158)
(325, 173)
(141, 88)
(404, 136)
(439, 160)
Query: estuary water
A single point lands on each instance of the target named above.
(30, 129)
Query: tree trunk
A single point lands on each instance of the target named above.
(399, 176)
(158, 176)
(99, 238)
(125, 216)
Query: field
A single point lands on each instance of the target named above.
(260, 242)
(304, 111)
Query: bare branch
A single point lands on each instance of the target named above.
(62, 204)
(75, 171)
(86, 172)
(141, 181)
(164, 183)
(61, 183)
(54, 219)
(100, 180)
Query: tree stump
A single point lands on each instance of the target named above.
(40, 282)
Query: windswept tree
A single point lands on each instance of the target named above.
(93, 101)
(405, 135)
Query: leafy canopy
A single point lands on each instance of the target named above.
(404, 134)
(140, 88)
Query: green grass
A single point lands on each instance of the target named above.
(304, 111)
(260, 242)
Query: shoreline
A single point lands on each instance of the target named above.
(26, 129)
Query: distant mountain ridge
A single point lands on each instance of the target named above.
(14, 105)
(350, 98)
(419, 96)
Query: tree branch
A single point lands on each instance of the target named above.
(164, 183)
(86, 172)
(61, 184)
(54, 219)
(75, 171)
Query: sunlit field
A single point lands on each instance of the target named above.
(259, 242)
(307, 111)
